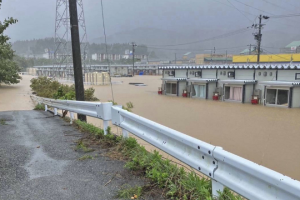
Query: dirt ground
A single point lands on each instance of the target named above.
(265, 135)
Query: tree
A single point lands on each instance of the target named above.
(8, 67)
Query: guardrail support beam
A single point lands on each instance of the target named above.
(55, 111)
(46, 108)
(216, 186)
(125, 133)
(105, 126)
(71, 117)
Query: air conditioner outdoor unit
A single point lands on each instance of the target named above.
(171, 73)
(231, 74)
(198, 74)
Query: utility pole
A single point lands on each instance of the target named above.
(175, 59)
(250, 49)
(258, 35)
(77, 65)
(133, 46)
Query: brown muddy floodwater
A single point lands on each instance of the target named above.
(265, 135)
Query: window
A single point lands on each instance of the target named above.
(224, 73)
(220, 72)
(277, 97)
(259, 73)
(297, 76)
(171, 88)
(265, 73)
(166, 72)
(271, 73)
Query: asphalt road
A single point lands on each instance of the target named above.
(38, 161)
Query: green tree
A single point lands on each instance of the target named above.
(8, 67)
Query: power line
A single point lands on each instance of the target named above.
(253, 7)
(195, 49)
(208, 39)
(233, 7)
(238, 10)
(103, 23)
(276, 5)
(276, 55)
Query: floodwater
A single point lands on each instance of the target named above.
(16, 97)
(265, 135)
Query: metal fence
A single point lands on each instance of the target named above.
(225, 169)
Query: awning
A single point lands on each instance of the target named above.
(238, 82)
(279, 83)
(202, 80)
(173, 79)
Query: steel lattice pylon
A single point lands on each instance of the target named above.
(63, 52)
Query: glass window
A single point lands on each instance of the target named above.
(220, 72)
(297, 77)
(259, 73)
(224, 73)
(282, 97)
(271, 96)
(271, 73)
(174, 88)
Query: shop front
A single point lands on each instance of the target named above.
(238, 90)
(281, 93)
(174, 86)
(202, 88)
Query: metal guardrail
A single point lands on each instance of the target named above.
(225, 169)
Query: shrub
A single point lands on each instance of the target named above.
(49, 88)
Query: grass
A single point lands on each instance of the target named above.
(2, 122)
(130, 192)
(39, 106)
(175, 182)
(85, 157)
(83, 147)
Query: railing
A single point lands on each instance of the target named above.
(225, 169)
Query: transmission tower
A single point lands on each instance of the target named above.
(63, 52)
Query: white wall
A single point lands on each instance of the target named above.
(244, 74)
(209, 73)
(180, 73)
(296, 97)
(271, 75)
(287, 75)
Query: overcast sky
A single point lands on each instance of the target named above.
(37, 17)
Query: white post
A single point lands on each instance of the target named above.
(105, 126)
(216, 186)
(125, 133)
(46, 108)
(71, 117)
(55, 111)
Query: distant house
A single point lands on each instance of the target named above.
(293, 47)
(246, 51)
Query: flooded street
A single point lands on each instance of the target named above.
(17, 96)
(267, 136)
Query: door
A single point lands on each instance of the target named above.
(279, 97)
(233, 93)
(200, 91)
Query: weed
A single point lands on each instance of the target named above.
(128, 107)
(85, 157)
(39, 106)
(130, 192)
(2, 122)
(83, 147)
(176, 182)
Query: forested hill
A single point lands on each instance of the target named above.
(38, 46)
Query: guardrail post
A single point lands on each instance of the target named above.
(71, 117)
(125, 133)
(46, 108)
(55, 111)
(105, 126)
(216, 186)
(104, 113)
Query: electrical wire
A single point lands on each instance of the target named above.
(108, 62)
(196, 49)
(276, 5)
(208, 39)
(276, 55)
(238, 10)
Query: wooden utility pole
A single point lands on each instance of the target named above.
(77, 65)
(133, 49)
